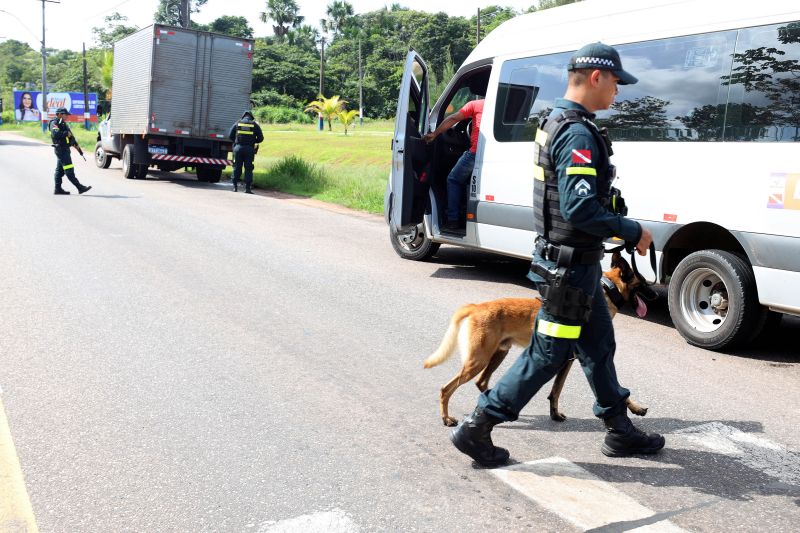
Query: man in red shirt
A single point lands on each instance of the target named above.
(463, 167)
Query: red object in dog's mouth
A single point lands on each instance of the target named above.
(641, 307)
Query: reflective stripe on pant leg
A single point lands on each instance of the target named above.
(561, 331)
(67, 167)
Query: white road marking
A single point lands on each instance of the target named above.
(580, 497)
(335, 521)
(756, 452)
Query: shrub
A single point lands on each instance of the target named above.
(281, 115)
(295, 175)
(269, 97)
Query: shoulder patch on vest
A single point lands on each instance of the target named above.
(583, 188)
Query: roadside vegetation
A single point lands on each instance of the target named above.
(349, 170)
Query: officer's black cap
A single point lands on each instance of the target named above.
(247, 114)
(62, 110)
(603, 57)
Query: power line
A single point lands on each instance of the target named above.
(21, 23)
(107, 10)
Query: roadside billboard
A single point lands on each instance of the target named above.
(28, 106)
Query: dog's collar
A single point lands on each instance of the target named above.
(613, 292)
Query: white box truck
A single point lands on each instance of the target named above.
(175, 94)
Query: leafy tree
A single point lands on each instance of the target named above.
(548, 4)
(233, 26)
(285, 69)
(328, 108)
(347, 117)
(340, 13)
(169, 11)
(492, 17)
(285, 14)
(628, 116)
(113, 31)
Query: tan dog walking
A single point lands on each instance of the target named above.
(485, 332)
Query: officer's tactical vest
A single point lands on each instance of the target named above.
(245, 132)
(548, 219)
(57, 136)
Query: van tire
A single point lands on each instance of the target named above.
(708, 279)
(420, 247)
(128, 166)
(101, 158)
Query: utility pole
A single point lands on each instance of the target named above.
(85, 92)
(45, 110)
(360, 88)
(322, 78)
(478, 32)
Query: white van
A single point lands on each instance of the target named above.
(707, 145)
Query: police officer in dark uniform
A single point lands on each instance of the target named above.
(246, 135)
(575, 209)
(63, 139)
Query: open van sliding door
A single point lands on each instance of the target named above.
(408, 192)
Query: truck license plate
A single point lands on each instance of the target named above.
(157, 149)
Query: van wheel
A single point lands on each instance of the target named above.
(413, 244)
(128, 166)
(713, 299)
(101, 158)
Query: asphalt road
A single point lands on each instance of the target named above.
(177, 357)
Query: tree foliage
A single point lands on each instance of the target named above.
(169, 11)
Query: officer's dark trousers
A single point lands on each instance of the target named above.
(65, 166)
(546, 354)
(243, 155)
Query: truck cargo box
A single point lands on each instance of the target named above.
(180, 82)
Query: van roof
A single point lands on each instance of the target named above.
(569, 27)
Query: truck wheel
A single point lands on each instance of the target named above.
(101, 158)
(413, 244)
(713, 299)
(209, 174)
(128, 167)
(141, 171)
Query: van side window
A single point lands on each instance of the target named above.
(417, 105)
(764, 102)
(680, 95)
(525, 96)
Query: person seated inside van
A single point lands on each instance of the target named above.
(459, 175)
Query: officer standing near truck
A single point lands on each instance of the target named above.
(63, 139)
(246, 135)
(575, 209)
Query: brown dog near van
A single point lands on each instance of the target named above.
(485, 333)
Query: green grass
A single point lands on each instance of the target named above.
(349, 170)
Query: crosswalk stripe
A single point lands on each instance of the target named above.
(579, 496)
(754, 451)
(335, 521)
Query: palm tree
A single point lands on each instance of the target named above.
(285, 14)
(346, 118)
(327, 108)
(339, 13)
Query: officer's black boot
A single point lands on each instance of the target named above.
(247, 189)
(623, 438)
(59, 190)
(83, 188)
(235, 186)
(473, 437)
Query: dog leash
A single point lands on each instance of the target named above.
(632, 253)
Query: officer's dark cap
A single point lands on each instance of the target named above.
(602, 57)
(62, 110)
(247, 114)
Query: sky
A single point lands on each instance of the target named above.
(70, 22)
